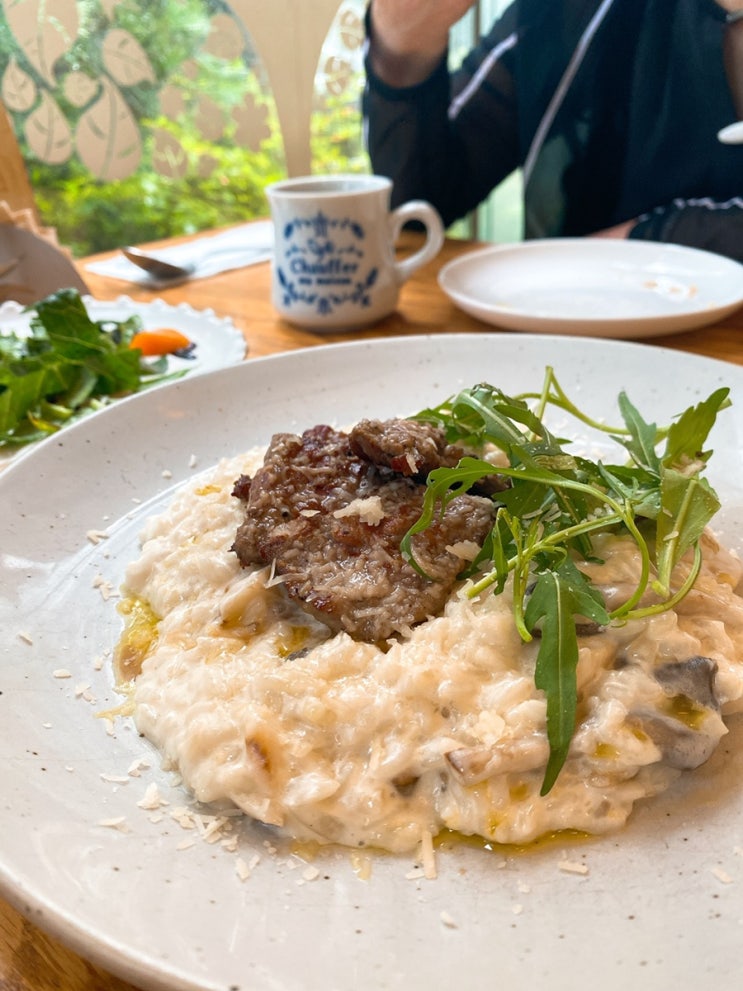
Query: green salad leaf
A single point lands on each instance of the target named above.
(556, 502)
(66, 366)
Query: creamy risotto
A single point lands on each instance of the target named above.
(340, 741)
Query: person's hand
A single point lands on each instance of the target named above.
(409, 37)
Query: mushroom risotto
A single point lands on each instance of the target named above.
(353, 642)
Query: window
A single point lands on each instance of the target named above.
(140, 119)
(500, 217)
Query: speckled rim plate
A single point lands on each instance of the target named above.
(658, 905)
(218, 341)
(595, 287)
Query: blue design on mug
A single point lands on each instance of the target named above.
(323, 259)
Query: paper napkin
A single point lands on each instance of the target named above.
(234, 248)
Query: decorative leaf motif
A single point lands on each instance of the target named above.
(252, 125)
(125, 59)
(42, 37)
(169, 158)
(351, 29)
(109, 6)
(172, 102)
(79, 89)
(206, 166)
(18, 88)
(190, 69)
(209, 119)
(338, 75)
(48, 133)
(225, 38)
(107, 138)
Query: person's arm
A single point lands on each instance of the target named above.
(447, 140)
(408, 38)
(699, 223)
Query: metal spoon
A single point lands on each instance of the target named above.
(168, 271)
(157, 266)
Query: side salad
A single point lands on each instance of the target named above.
(69, 365)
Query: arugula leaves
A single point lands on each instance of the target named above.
(556, 502)
(68, 365)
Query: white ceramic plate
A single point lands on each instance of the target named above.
(659, 905)
(218, 341)
(606, 288)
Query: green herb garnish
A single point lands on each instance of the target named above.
(544, 522)
(67, 366)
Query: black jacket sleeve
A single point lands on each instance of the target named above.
(559, 88)
(698, 224)
(436, 144)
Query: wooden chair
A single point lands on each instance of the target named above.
(15, 188)
(289, 35)
(283, 39)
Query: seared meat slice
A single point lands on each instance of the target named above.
(331, 523)
(406, 446)
(414, 449)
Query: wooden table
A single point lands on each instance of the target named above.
(29, 959)
(244, 295)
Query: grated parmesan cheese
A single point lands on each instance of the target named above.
(368, 510)
(572, 867)
(242, 869)
(152, 798)
(119, 822)
(139, 765)
(465, 550)
(96, 536)
(428, 858)
(104, 587)
(722, 876)
(115, 779)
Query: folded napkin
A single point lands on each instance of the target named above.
(25, 220)
(32, 263)
(234, 248)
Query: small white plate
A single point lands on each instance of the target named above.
(595, 287)
(218, 341)
(658, 905)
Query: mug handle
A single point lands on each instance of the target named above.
(429, 217)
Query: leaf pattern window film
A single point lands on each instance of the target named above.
(187, 90)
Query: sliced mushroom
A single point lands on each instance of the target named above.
(474, 764)
(405, 782)
(693, 678)
(682, 748)
(686, 726)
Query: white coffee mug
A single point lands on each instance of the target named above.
(334, 265)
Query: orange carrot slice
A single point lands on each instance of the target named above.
(165, 340)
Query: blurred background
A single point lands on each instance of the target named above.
(142, 119)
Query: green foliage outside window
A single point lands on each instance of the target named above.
(214, 179)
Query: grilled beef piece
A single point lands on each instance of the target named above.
(406, 446)
(331, 522)
(415, 449)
